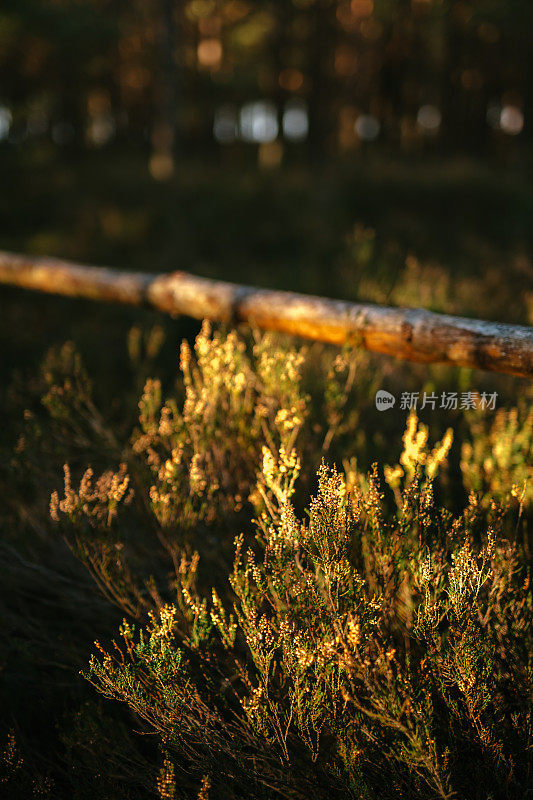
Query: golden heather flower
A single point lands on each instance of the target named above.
(166, 782)
(203, 794)
(353, 635)
(393, 475)
(185, 357)
(439, 453)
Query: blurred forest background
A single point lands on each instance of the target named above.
(352, 148)
(278, 80)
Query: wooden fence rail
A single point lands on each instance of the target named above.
(407, 333)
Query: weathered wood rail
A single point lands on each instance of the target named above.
(408, 333)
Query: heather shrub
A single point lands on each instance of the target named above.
(499, 457)
(203, 455)
(377, 647)
(15, 779)
(191, 461)
(373, 645)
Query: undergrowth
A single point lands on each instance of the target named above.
(294, 624)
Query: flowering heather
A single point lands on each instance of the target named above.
(294, 625)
